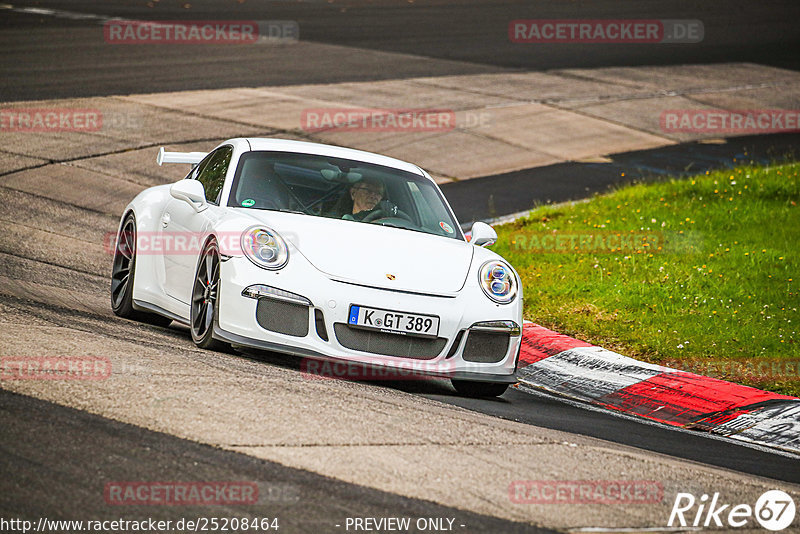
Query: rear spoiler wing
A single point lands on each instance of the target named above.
(179, 157)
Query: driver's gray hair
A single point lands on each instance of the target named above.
(371, 180)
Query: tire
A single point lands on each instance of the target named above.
(204, 309)
(469, 388)
(122, 276)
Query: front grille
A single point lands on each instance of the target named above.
(485, 347)
(418, 348)
(282, 317)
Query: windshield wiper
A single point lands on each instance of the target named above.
(282, 210)
(392, 225)
(420, 230)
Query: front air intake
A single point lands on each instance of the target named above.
(400, 346)
(485, 347)
(282, 317)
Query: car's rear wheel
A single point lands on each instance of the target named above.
(205, 297)
(469, 388)
(122, 275)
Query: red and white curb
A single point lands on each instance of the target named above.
(565, 366)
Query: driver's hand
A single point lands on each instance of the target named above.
(387, 207)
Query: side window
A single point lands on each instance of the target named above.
(211, 172)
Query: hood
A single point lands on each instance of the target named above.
(371, 254)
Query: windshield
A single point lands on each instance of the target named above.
(323, 186)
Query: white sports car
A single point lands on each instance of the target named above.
(322, 252)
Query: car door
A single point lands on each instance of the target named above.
(183, 228)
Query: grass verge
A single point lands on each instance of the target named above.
(699, 274)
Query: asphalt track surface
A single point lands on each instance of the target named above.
(50, 57)
(56, 57)
(548, 411)
(515, 192)
(54, 478)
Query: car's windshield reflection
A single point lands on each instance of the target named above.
(337, 188)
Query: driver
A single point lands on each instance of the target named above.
(366, 194)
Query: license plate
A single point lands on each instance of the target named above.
(394, 322)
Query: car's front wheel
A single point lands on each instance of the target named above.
(122, 274)
(470, 388)
(205, 299)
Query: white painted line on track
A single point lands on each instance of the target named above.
(59, 13)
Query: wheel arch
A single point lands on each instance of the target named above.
(211, 236)
(146, 210)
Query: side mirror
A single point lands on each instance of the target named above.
(483, 235)
(190, 191)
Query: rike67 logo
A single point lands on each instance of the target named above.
(774, 510)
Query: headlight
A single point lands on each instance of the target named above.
(498, 281)
(265, 247)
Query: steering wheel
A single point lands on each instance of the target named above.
(386, 210)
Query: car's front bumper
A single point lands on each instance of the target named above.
(238, 323)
